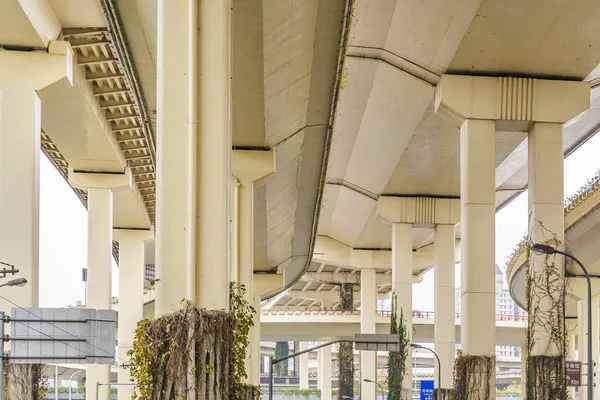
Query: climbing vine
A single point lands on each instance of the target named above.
(545, 291)
(397, 359)
(474, 377)
(282, 349)
(444, 394)
(345, 352)
(194, 353)
(24, 382)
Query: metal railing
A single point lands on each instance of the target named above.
(381, 313)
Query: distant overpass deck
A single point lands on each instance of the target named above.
(321, 325)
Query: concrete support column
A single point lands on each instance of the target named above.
(22, 75)
(132, 275)
(444, 332)
(304, 379)
(324, 375)
(402, 266)
(524, 370)
(100, 188)
(99, 295)
(478, 307)
(546, 225)
(248, 167)
(176, 135)
(214, 154)
(368, 312)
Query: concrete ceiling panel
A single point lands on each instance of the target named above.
(395, 108)
(15, 27)
(536, 38)
(248, 105)
(351, 215)
(371, 22)
(78, 13)
(430, 165)
(429, 32)
(351, 109)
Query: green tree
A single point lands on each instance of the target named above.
(346, 353)
(397, 359)
(282, 349)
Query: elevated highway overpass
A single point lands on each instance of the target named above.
(371, 129)
(315, 325)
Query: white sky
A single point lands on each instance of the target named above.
(63, 241)
(63, 232)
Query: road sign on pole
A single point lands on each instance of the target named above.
(573, 373)
(375, 342)
(427, 390)
(62, 335)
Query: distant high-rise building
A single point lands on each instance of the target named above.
(505, 307)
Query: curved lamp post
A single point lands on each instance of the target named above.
(377, 383)
(418, 346)
(15, 282)
(545, 249)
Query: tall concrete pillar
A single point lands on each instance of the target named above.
(402, 266)
(176, 135)
(304, 379)
(546, 225)
(478, 307)
(22, 74)
(214, 154)
(475, 104)
(132, 275)
(193, 158)
(402, 213)
(324, 375)
(444, 332)
(524, 370)
(248, 167)
(99, 187)
(368, 312)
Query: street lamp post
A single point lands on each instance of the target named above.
(71, 382)
(545, 249)
(378, 384)
(15, 282)
(418, 346)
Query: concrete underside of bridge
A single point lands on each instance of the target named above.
(294, 146)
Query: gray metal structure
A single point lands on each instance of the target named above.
(63, 335)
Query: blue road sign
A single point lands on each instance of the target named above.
(426, 390)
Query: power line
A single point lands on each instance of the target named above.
(65, 343)
(59, 328)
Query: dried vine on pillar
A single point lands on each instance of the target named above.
(397, 359)
(474, 377)
(194, 353)
(24, 382)
(546, 374)
(444, 394)
(346, 353)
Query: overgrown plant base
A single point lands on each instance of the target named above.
(444, 394)
(194, 354)
(251, 392)
(546, 378)
(475, 377)
(24, 382)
